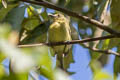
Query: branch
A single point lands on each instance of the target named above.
(102, 51)
(68, 42)
(74, 14)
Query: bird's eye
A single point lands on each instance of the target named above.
(58, 15)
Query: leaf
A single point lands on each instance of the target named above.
(2, 57)
(102, 76)
(116, 67)
(60, 75)
(5, 11)
(15, 54)
(43, 60)
(30, 11)
(30, 23)
(115, 22)
(68, 59)
(74, 33)
(95, 64)
(2, 71)
(4, 3)
(16, 76)
(5, 30)
(15, 17)
(40, 56)
(38, 34)
(67, 2)
(74, 5)
(45, 72)
(103, 16)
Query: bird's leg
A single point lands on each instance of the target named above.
(64, 51)
(62, 62)
(64, 48)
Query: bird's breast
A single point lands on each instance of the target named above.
(59, 32)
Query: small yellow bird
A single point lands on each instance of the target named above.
(58, 31)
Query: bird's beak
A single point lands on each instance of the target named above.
(51, 15)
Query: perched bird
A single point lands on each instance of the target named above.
(59, 31)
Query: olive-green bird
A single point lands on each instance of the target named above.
(58, 31)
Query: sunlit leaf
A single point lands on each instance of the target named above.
(60, 75)
(25, 61)
(102, 76)
(30, 11)
(2, 71)
(30, 23)
(2, 57)
(4, 3)
(16, 76)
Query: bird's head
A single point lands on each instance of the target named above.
(57, 17)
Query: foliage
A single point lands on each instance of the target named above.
(26, 23)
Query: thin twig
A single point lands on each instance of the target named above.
(102, 51)
(74, 14)
(68, 42)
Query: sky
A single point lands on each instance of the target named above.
(81, 62)
(82, 59)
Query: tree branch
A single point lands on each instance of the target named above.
(102, 51)
(74, 14)
(68, 42)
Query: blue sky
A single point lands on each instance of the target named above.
(82, 59)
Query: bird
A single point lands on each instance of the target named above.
(59, 31)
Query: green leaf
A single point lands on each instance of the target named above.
(16, 76)
(2, 71)
(68, 59)
(15, 17)
(4, 11)
(43, 60)
(74, 5)
(116, 67)
(30, 23)
(2, 57)
(30, 11)
(38, 34)
(115, 22)
(5, 30)
(74, 33)
(17, 56)
(47, 73)
(102, 76)
(104, 16)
